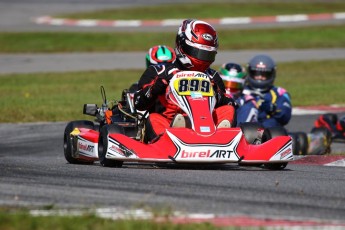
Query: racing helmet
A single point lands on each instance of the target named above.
(196, 45)
(160, 55)
(261, 65)
(233, 76)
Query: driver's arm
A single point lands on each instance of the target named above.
(150, 85)
(219, 90)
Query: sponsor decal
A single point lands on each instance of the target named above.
(185, 74)
(226, 151)
(121, 149)
(190, 74)
(196, 95)
(201, 154)
(207, 154)
(86, 147)
(207, 37)
(205, 129)
(202, 75)
(260, 65)
(285, 153)
(222, 154)
(117, 149)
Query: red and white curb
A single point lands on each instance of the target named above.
(324, 160)
(180, 218)
(318, 109)
(48, 20)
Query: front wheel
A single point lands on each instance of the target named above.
(103, 145)
(268, 134)
(68, 145)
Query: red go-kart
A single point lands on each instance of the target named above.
(199, 143)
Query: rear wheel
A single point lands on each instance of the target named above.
(252, 134)
(68, 145)
(103, 145)
(268, 134)
(300, 143)
(302, 139)
(251, 131)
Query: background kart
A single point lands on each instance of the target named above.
(317, 142)
(328, 128)
(200, 142)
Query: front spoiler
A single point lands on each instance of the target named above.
(181, 145)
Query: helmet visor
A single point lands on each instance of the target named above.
(203, 55)
(260, 75)
(233, 85)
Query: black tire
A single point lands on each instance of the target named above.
(251, 134)
(268, 134)
(103, 145)
(303, 143)
(295, 143)
(271, 132)
(250, 131)
(275, 166)
(68, 145)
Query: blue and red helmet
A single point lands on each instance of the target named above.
(261, 65)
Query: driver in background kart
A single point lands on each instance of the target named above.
(234, 77)
(334, 123)
(273, 102)
(157, 55)
(196, 48)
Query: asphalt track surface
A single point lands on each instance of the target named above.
(34, 173)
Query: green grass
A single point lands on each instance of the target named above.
(278, 38)
(216, 9)
(24, 221)
(313, 83)
(60, 96)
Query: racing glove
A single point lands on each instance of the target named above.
(268, 107)
(224, 100)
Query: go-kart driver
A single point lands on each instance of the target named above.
(234, 77)
(157, 55)
(335, 125)
(160, 55)
(274, 102)
(196, 48)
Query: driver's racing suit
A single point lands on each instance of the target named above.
(274, 105)
(151, 96)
